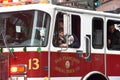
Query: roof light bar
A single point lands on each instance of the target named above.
(21, 2)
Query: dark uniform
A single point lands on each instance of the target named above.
(115, 40)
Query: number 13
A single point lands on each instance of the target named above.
(33, 64)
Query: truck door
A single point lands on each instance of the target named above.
(65, 64)
(113, 48)
(93, 65)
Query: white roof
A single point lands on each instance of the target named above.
(50, 7)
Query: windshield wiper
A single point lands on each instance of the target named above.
(5, 40)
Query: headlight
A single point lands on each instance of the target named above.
(18, 72)
(18, 69)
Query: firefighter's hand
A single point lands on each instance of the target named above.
(109, 41)
(63, 45)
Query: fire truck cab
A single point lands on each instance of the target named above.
(56, 40)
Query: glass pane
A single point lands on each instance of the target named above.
(97, 33)
(22, 29)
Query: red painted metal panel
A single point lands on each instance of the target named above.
(62, 64)
(113, 65)
(36, 62)
(76, 66)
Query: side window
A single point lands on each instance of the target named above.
(58, 37)
(113, 35)
(67, 36)
(97, 33)
(76, 30)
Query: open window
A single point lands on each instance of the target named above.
(68, 27)
(113, 34)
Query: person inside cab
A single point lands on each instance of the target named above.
(60, 39)
(113, 38)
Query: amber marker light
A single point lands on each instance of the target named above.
(18, 69)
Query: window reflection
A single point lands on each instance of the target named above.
(24, 28)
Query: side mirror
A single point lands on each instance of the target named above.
(70, 39)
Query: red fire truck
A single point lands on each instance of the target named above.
(31, 47)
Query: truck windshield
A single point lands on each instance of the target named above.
(24, 28)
